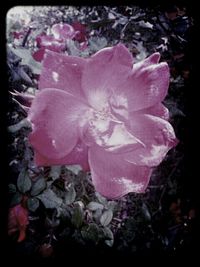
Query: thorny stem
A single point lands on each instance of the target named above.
(26, 37)
(123, 30)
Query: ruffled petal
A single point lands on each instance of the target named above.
(79, 155)
(54, 115)
(114, 177)
(62, 72)
(104, 73)
(109, 134)
(147, 85)
(157, 135)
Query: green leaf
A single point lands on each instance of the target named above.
(38, 186)
(12, 188)
(92, 233)
(106, 217)
(97, 43)
(27, 59)
(101, 199)
(33, 204)
(70, 195)
(50, 199)
(24, 76)
(55, 172)
(16, 199)
(73, 50)
(94, 206)
(65, 214)
(54, 222)
(24, 182)
(108, 234)
(97, 215)
(74, 168)
(77, 216)
(109, 242)
(16, 127)
(111, 205)
(146, 212)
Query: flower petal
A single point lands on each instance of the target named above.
(42, 38)
(39, 54)
(54, 115)
(80, 31)
(62, 72)
(147, 85)
(152, 59)
(79, 155)
(103, 73)
(113, 136)
(113, 176)
(48, 41)
(158, 137)
(158, 110)
(121, 140)
(118, 54)
(63, 31)
(18, 221)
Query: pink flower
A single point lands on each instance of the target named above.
(63, 31)
(48, 42)
(80, 31)
(18, 221)
(104, 113)
(81, 35)
(56, 42)
(18, 36)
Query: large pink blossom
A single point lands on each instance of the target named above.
(104, 113)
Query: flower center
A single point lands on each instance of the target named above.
(102, 128)
(100, 120)
(98, 125)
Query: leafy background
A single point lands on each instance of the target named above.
(65, 212)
